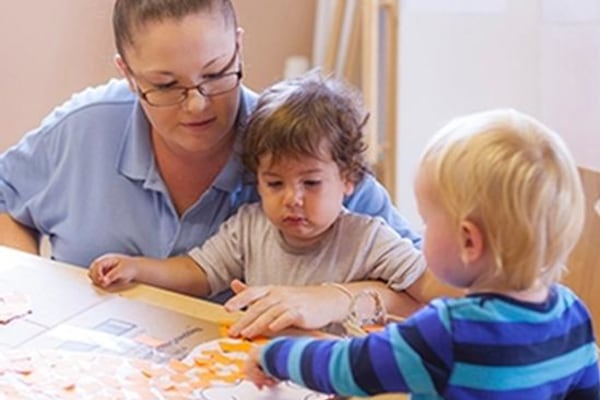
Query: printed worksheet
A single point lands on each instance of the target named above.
(52, 311)
(62, 338)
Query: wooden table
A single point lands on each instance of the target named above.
(41, 274)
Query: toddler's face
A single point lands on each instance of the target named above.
(441, 246)
(301, 196)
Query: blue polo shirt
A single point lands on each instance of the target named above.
(86, 177)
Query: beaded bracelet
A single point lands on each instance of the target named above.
(356, 315)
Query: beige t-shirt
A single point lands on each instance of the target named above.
(356, 248)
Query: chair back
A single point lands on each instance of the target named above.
(584, 262)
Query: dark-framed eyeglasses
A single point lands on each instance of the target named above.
(220, 83)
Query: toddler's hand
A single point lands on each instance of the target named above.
(254, 371)
(112, 269)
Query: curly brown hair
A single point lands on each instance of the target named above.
(296, 117)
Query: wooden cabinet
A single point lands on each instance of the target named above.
(584, 264)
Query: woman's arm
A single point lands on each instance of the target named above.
(18, 236)
(274, 308)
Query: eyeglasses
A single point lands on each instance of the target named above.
(220, 83)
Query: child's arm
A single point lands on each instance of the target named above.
(180, 274)
(412, 356)
(254, 371)
(325, 365)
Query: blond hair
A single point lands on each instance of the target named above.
(517, 181)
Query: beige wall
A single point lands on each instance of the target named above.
(274, 30)
(49, 50)
(540, 57)
(63, 46)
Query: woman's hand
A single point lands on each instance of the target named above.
(273, 308)
(112, 269)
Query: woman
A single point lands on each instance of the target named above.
(147, 165)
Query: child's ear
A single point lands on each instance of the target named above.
(124, 71)
(348, 187)
(471, 242)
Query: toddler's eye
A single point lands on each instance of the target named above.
(312, 182)
(274, 184)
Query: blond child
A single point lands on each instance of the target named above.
(503, 206)
(304, 143)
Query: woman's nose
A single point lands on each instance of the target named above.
(195, 100)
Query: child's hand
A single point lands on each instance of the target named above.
(111, 269)
(254, 371)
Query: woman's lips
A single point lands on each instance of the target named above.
(199, 124)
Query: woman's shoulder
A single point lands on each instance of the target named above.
(90, 115)
(85, 121)
(108, 98)
(248, 99)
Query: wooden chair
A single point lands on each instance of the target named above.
(584, 263)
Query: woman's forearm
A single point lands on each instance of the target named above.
(16, 235)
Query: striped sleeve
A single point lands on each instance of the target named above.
(508, 349)
(409, 357)
(484, 346)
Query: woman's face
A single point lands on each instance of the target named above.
(184, 53)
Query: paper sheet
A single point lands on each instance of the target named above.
(212, 371)
(221, 362)
(80, 343)
(13, 305)
(128, 328)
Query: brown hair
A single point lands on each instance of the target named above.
(297, 117)
(131, 15)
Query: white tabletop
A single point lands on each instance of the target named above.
(62, 296)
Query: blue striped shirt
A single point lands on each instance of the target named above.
(483, 346)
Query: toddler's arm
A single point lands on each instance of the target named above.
(180, 274)
(254, 371)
